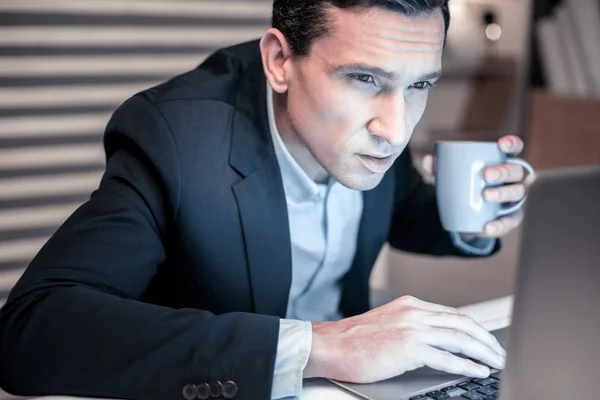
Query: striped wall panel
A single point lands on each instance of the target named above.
(65, 65)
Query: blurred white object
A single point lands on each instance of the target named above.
(587, 16)
(553, 56)
(493, 32)
(580, 81)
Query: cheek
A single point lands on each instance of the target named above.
(330, 118)
(312, 103)
(415, 109)
(347, 133)
(336, 117)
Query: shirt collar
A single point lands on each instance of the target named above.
(297, 184)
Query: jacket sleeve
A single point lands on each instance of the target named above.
(416, 225)
(75, 324)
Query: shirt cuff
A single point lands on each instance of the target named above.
(293, 351)
(477, 246)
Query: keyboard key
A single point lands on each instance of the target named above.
(486, 390)
(497, 375)
(450, 389)
(419, 397)
(437, 395)
(473, 396)
(468, 386)
(491, 397)
(495, 386)
(484, 381)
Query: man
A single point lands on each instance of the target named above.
(228, 249)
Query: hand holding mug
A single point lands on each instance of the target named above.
(473, 176)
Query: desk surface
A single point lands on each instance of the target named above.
(492, 314)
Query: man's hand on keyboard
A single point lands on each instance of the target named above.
(401, 336)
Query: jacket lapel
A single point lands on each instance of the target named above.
(260, 197)
(263, 213)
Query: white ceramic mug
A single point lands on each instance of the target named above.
(459, 168)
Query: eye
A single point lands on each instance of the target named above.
(363, 78)
(422, 85)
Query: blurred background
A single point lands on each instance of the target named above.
(525, 67)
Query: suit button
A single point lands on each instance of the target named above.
(203, 391)
(230, 389)
(189, 392)
(216, 389)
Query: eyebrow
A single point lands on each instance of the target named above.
(381, 73)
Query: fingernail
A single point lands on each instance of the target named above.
(502, 360)
(485, 372)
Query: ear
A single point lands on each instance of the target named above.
(276, 53)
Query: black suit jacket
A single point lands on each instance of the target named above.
(178, 268)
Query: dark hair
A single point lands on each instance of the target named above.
(304, 21)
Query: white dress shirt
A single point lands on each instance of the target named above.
(323, 221)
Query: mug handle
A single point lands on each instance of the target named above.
(503, 211)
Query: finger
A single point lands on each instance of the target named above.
(457, 341)
(502, 226)
(467, 325)
(530, 180)
(447, 362)
(505, 193)
(505, 173)
(428, 164)
(426, 306)
(511, 144)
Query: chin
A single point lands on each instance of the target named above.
(360, 181)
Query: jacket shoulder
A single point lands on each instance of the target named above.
(216, 79)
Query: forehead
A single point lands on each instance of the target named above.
(383, 38)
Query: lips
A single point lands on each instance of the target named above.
(376, 164)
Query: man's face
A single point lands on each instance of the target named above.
(355, 100)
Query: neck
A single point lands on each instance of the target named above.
(294, 143)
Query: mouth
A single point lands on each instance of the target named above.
(376, 164)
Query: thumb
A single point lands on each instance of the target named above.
(428, 165)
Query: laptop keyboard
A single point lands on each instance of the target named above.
(474, 389)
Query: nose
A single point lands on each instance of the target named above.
(390, 120)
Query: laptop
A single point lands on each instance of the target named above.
(554, 346)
